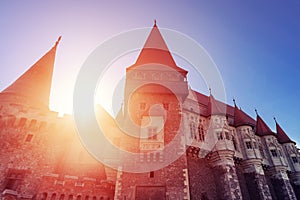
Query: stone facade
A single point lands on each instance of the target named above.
(222, 153)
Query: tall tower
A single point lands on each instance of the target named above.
(154, 92)
(292, 157)
(277, 171)
(253, 154)
(221, 156)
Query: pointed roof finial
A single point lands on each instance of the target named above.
(154, 23)
(57, 41)
(275, 119)
(234, 102)
(256, 111)
(209, 90)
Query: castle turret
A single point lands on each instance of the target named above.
(293, 158)
(253, 155)
(277, 169)
(221, 157)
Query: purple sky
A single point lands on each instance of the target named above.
(255, 45)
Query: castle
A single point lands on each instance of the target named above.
(222, 153)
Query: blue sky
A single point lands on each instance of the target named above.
(254, 44)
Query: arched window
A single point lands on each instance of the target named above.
(87, 197)
(94, 198)
(193, 130)
(201, 133)
(70, 197)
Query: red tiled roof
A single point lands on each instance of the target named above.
(204, 100)
(155, 50)
(261, 127)
(215, 108)
(241, 118)
(282, 136)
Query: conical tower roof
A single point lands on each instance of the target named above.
(155, 50)
(262, 128)
(215, 107)
(282, 136)
(33, 87)
(241, 118)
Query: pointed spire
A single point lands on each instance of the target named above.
(155, 50)
(262, 128)
(33, 87)
(241, 118)
(281, 135)
(214, 107)
(234, 102)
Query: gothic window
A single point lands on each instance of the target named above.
(294, 159)
(142, 106)
(70, 197)
(219, 135)
(152, 133)
(29, 138)
(193, 130)
(94, 198)
(248, 145)
(201, 133)
(274, 152)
